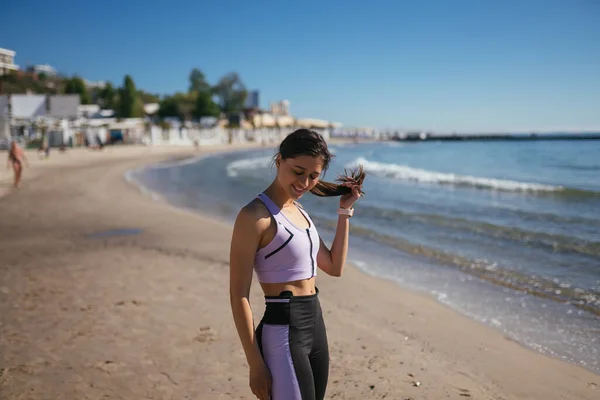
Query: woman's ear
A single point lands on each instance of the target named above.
(278, 161)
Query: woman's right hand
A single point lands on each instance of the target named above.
(260, 381)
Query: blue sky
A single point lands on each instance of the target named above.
(476, 65)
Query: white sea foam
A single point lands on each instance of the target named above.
(234, 167)
(406, 173)
(176, 163)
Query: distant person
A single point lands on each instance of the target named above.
(16, 159)
(98, 143)
(44, 150)
(41, 150)
(288, 353)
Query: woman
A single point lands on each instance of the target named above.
(16, 158)
(288, 354)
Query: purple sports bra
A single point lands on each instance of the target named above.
(292, 254)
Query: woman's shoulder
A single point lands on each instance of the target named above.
(255, 213)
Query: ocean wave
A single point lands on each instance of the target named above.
(580, 167)
(406, 173)
(175, 162)
(554, 242)
(585, 299)
(234, 167)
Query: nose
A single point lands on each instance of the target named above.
(304, 182)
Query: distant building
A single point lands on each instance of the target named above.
(45, 69)
(24, 106)
(151, 108)
(280, 108)
(63, 106)
(31, 106)
(4, 118)
(88, 110)
(4, 106)
(94, 85)
(7, 61)
(253, 99)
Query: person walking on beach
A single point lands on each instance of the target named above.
(16, 159)
(288, 352)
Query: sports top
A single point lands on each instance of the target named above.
(292, 254)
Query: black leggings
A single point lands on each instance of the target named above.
(293, 342)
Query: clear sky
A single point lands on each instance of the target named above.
(466, 65)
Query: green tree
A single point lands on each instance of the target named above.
(169, 107)
(198, 82)
(108, 96)
(205, 106)
(231, 93)
(75, 85)
(148, 98)
(179, 105)
(130, 105)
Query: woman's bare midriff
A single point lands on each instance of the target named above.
(302, 287)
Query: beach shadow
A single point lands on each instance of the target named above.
(115, 232)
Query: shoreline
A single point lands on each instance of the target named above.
(434, 294)
(125, 333)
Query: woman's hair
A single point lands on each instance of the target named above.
(306, 142)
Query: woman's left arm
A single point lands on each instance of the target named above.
(332, 261)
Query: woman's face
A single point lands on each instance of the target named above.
(298, 175)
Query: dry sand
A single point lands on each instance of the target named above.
(147, 315)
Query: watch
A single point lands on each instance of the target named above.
(346, 211)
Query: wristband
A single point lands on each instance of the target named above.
(346, 211)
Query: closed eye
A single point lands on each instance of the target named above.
(300, 170)
(313, 176)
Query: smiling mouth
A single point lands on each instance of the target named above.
(299, 191)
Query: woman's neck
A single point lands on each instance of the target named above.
(279, 196)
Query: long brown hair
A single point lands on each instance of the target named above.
(306, 142)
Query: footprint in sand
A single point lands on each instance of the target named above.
(206, 334)
(107, 366)
(123, 302)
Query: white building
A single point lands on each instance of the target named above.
(151, 108)
(94, 84)
(7, 61)
(4, 118)
(280, 108)
(44, 69)
(88, 111)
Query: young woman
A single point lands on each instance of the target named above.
(16, 159)
(288, 354)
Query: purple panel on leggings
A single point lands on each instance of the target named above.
(277, 355)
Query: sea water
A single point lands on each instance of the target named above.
(507, 233)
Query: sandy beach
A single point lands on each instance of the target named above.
(145, 314)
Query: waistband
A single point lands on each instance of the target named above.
(295, 311)
(288, 297)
